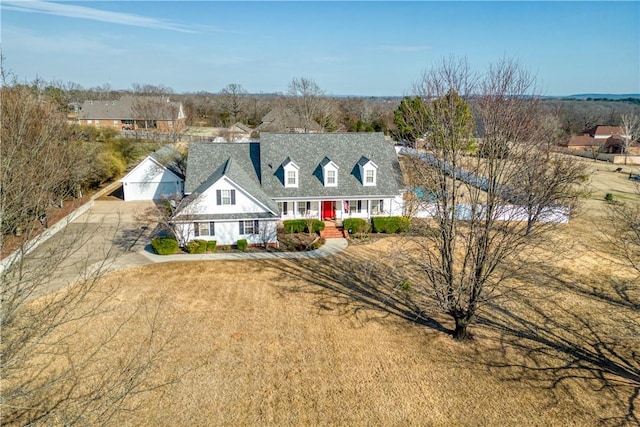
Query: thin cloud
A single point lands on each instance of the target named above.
(405, 48)
(69, 43)
(83, 12)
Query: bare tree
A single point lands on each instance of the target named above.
(630, 131)
(595, 152)
(474, 243)
(308, 105)
(625, 240)
(164, 213)
(57, 365)
(232, 101)
(38, 164)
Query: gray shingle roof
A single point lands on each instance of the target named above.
(345, 149)
(130, 108)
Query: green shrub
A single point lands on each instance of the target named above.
(294, 226)
(165, 245)
(317, 226)
(211, 246)
(355, 225)
(390, 224)
(108, 165)
(196, 246)
(608, 198)
(405, 285)
(242, 245)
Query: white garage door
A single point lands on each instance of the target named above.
(149, 190)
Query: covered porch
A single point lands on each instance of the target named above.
(336, 209)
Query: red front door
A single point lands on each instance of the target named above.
(328, 210)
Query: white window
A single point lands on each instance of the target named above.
(377, 207)
(225, 197)
(89, 122)
(290, 173)
(204, 229)
(115, 123)
(370, 177)
(249, 227)
(97, 122)
(331, 177)
(292, 179)
(303, 208)
(329, 172)
(355, 206)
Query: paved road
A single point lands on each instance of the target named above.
(109, 237)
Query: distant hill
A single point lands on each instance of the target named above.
(611, 96)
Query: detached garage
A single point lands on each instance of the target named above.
(156, 177)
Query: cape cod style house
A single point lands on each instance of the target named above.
(241, 190)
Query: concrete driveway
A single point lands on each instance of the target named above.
(108, 237)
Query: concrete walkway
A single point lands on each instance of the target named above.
(330, 247)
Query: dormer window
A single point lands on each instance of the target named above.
(331, 178)
(370, 177)
(292, 179)
(290, 173)
(368, 172)
(329, 172)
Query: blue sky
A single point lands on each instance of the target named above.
(348, 48)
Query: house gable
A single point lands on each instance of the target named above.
(151, 180)
(229, 192)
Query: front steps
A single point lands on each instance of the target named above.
(331, 231)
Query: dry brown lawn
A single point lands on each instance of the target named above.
(309, 343)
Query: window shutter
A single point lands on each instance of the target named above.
(241, 227)
(256, 225)
(212, 229)
(218, 197)
(233, 197)
(196, 230)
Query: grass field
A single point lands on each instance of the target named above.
(310, 343)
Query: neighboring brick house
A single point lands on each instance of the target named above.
(606, 139)
(582, 142)
(132, 113)
(604, 132)
(241, 190)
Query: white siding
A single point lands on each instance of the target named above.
(228, 233)
(150, 181)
